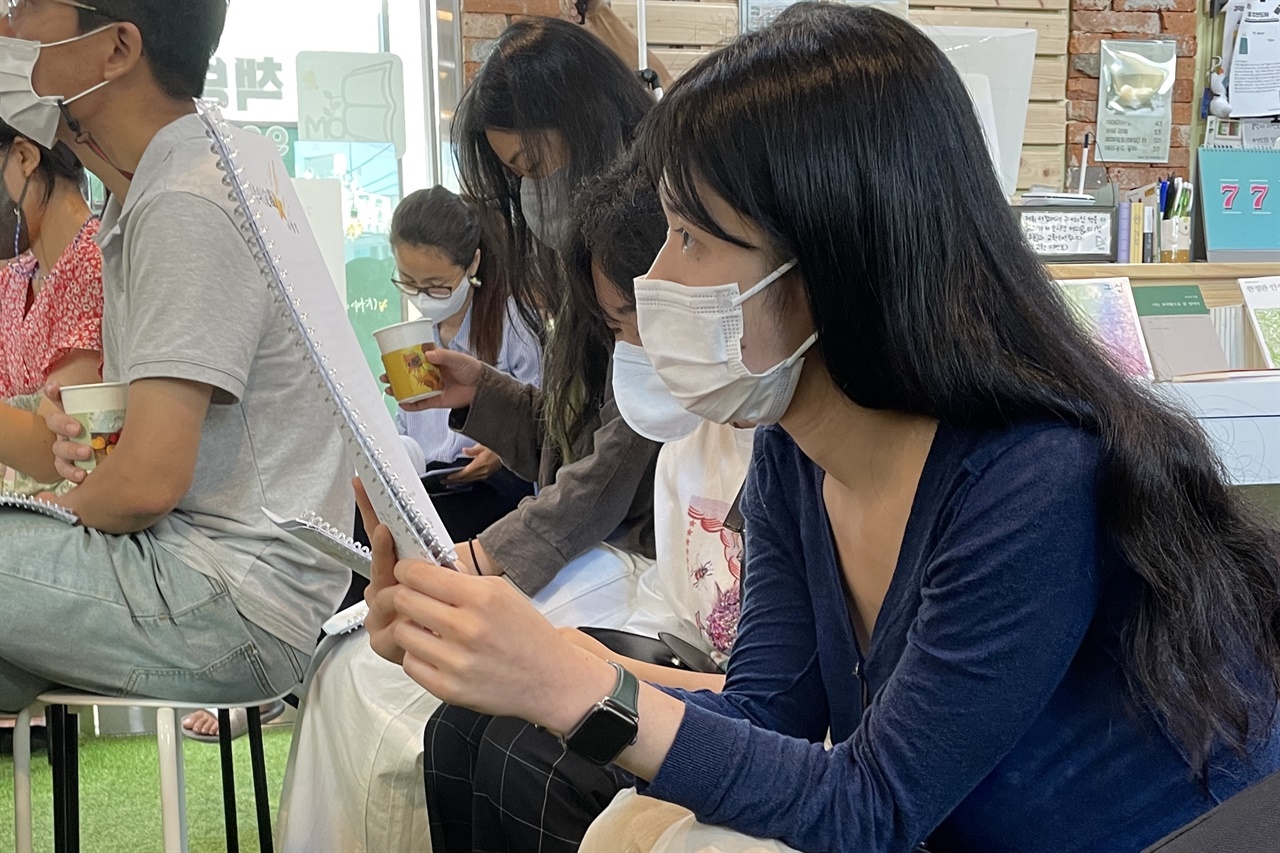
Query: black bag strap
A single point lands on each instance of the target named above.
(737, 522)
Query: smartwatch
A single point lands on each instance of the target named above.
(611, 725)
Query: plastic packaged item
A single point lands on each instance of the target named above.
(1135, 100)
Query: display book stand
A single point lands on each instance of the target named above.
(1241, 415)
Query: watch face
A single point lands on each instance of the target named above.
(604, 734)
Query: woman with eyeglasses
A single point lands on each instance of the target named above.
(449, 263)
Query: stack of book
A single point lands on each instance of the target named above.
(1219, 364)
(1168, 333)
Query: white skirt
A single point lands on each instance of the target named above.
(354, 777)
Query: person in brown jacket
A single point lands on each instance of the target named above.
(527, 142)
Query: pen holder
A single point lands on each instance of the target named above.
(1175, 240)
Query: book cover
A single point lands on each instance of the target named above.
(1122, 236)
(1105, 306)
(1135, 232)
(1262, 299)
(1179, 332)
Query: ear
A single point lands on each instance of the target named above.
(475, 267)
(126, 53)
(27, 155)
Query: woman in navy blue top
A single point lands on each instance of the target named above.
(1012, 585)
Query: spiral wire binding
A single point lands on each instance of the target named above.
(324, 528)
(371, 459)
(8, 500)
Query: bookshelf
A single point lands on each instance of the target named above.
(1240, 416)
(1217, 281)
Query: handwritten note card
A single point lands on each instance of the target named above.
(1070, 233)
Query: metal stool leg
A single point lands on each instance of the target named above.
(22, 782)
(228, 781)
(260, 795)
(56, 723)
(172, 796)
(71, 747)
(64, 744)
(179, 761)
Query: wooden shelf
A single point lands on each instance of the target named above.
(1139, 273)
(1217, 281)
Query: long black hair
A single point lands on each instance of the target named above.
(845, 135)
(544, 75)
(437, 218)
(620, 231)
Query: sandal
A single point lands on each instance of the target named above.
(239, 721)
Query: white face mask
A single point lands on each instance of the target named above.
(439, 310)
(693, 336)
(34, 116)
(644, 401)
(544, 203)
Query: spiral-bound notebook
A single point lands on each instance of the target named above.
(49, 510)
(325, 538)
(274, 226)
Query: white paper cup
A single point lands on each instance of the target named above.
(99, 409)
(404, 347)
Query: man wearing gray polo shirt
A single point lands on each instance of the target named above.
(175, 586)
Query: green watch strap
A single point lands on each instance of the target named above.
(626, 692)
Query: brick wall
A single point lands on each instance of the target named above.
(484, 20)
(1095, 20)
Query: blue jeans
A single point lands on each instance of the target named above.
(120, 616)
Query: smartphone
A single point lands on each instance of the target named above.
(434, 481)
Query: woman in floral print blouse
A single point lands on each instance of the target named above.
(50, 299)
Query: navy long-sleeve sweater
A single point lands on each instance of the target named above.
(999, 718)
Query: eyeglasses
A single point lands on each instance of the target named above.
(436, 292)
(15, 7)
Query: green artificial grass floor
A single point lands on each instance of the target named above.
(120, 794)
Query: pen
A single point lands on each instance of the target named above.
(1084, 162)
(1164, 195)
(1148, 234)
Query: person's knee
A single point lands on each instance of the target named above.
(514, 753)
(451, 736)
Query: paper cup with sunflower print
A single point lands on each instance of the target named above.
(99, 409)
(404, 348)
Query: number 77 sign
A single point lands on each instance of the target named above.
(1241, 192)
(1231, 190)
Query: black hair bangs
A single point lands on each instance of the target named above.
(673, 148)
(710, 137)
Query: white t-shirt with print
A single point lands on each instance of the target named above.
(693, 590)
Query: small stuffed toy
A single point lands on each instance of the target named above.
(1218, 106)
